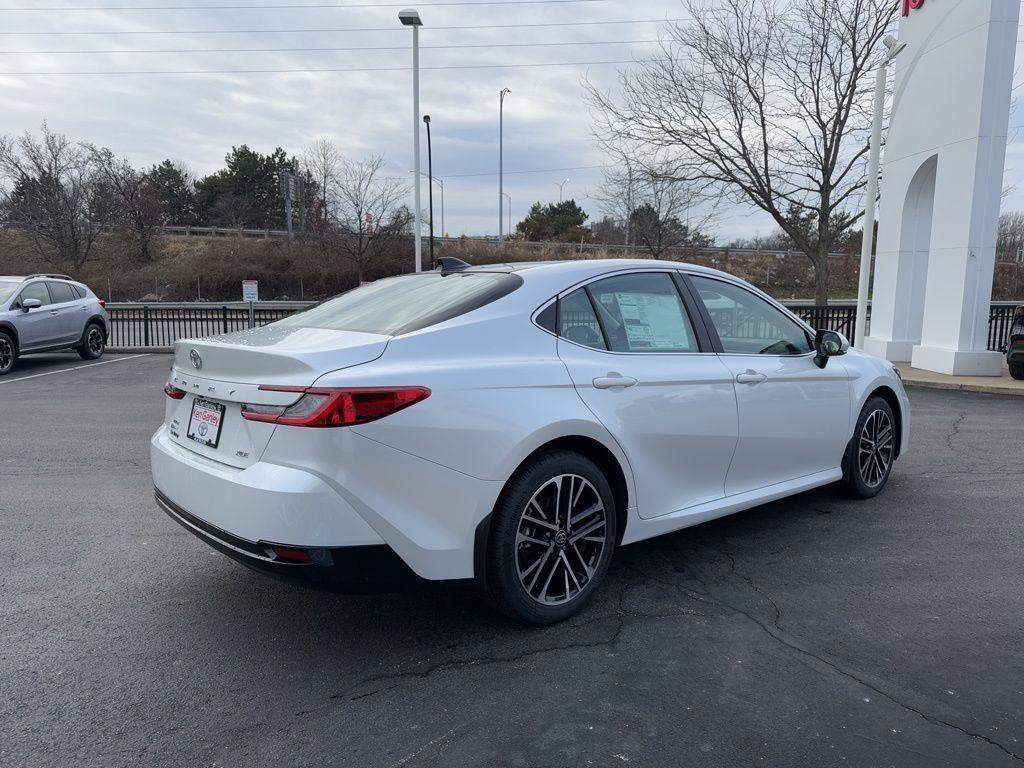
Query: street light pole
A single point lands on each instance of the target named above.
(411, 18)
(430, 188)
(871, 194)
(561, 185)
(501, 156)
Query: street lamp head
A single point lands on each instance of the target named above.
(503, 92)
(426, 119)
(894, 46)
(410, 17)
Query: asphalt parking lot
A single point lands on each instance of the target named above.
(815, 631)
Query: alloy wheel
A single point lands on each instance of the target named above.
(6, 354)
(875, 448)
(95, 340)
(560, 539)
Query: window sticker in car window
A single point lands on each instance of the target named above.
(651, 320)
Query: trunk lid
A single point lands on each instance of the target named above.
(279, 355)
(220, 373)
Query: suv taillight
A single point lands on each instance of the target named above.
(102, 303)
(330, 407)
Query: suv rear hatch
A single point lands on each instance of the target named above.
(215, 376)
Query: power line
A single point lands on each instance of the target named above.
(393, 28)
(322, 69)
(299, 6)
(535, 170)
(344, 48)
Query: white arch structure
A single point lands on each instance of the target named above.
(942, 185)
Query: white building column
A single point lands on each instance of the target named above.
(942, 185)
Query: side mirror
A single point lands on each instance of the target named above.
(829, 344)
(28, 304)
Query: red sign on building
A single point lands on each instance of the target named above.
(911, 5)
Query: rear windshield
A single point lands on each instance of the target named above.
(404, 304)
(7, 288)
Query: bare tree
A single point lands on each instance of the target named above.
(368, 211)
(139, 208)
(658, 211)
(323, 162)
(56, 197)
(1010, 242)
(772, 105)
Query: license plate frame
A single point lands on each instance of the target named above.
(201, 432)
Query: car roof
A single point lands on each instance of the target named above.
(552, 277)
(588, 266)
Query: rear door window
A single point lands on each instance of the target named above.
(398, 305)
(61, 292)
(643, 312)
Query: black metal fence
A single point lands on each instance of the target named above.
(160, 325)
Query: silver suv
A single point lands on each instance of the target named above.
(41, 313)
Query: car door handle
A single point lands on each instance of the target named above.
(750, 377)
(614, 381)
(54, 311)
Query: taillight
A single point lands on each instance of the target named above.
(328, 407)
(173, 392)
(102, 303)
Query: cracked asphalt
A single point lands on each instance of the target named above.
(815, 631)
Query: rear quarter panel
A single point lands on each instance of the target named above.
(498, 392)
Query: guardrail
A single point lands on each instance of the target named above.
(161, 324)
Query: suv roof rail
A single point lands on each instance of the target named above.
(52, 276)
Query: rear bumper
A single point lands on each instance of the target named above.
(351, 570)
(328, 491)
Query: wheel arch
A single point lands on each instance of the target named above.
(11, 331)
(602, 456)
(889, 395)
(101, 322)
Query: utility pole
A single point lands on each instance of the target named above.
(501, 157)
(411, 18)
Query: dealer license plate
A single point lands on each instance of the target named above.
(206, 421)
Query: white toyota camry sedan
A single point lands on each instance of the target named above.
(512, 424)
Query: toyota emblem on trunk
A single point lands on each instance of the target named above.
(197, 361)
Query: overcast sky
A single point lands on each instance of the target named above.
(197, 118)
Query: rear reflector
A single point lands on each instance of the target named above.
(173, 392)
(291, 555)
(328, 407)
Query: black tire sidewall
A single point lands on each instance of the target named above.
(854, 482)
(1017, 371)
(83, 350)
(501, 578)
(14, 353)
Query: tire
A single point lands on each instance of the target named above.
(1017, 370)
(94, 342)
(871, 453)
(541, 569)
(8, 353)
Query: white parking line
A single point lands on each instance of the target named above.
(73, 368)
